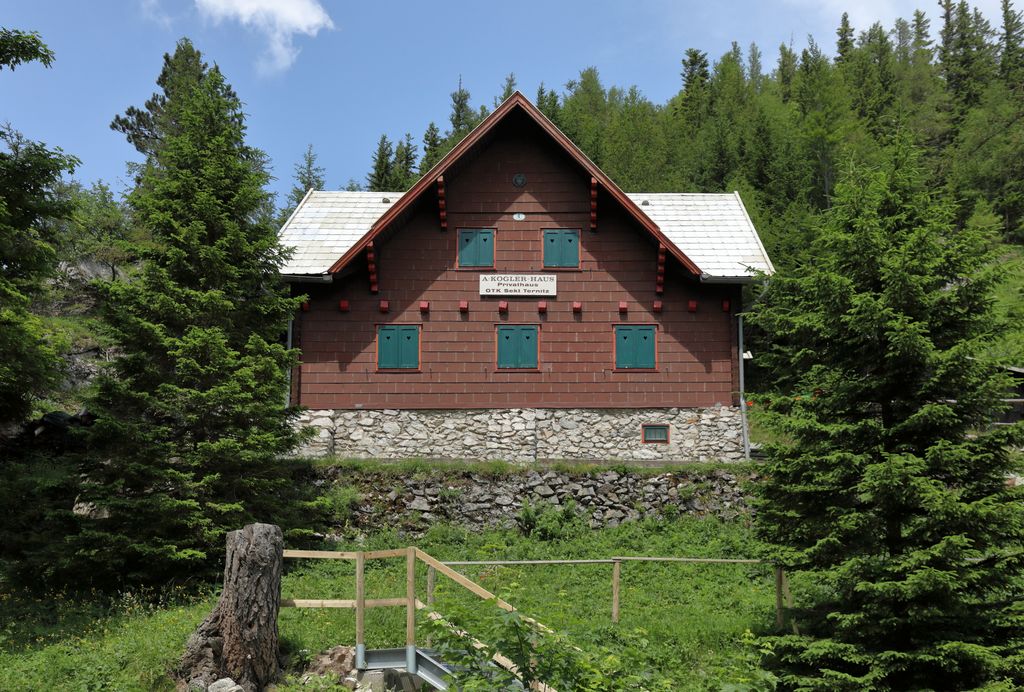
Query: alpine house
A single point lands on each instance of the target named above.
(516, 304)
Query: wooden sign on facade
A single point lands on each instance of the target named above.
(518, 285)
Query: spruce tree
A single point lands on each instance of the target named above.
(507, 89)
(29, 173)
(462, 117)
(786, 71)
(308, 176)
(844, 41)
(433, 148)
(191, 418)
(381, 175)
(403, 169)
(1011, 49)
(547, 102)
(888, 493)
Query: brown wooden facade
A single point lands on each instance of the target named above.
(415, 269)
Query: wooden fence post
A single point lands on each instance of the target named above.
(616, 574)
(410, 610)
(779, 615)
(360, 611)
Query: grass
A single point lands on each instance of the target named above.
(429, 468)
(686, 623)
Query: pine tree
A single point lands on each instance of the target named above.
(191, 419)
(786, 71)
(29, 172)
(754, 74)
(547, 102)
(844, 44)
(1011, 49)
(308, 176)
(146, 127)
(507, 89)
(381, 174)
(889, 493)
(696, 75)
(433, 148)
(403, 169)
(462, 117)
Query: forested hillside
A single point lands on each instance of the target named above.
(783, 126)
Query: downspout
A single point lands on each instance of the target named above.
(288, 375)
(743, 394)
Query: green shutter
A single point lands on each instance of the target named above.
(527, 347)
(517, 347)
(634, 347)
(408, 347)
(398, 346)
(476, 247)
(561, 248)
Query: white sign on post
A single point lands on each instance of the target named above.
(518, 285)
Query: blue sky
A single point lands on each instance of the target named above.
(338, 74)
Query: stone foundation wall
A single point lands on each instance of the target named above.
(526, 435)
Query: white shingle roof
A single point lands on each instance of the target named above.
(711, 229)
(326, 224)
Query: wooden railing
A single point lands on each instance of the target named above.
(783, 597)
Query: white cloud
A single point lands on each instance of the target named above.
(152, 11)
(278, 20)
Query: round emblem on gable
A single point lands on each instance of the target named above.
(519, 179)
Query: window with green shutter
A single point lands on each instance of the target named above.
(476, 247)
(398, 347)
(517, 346)
(634, 346)
(561, 247)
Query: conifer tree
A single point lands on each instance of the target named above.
(462, 117)
(507, 89)
(844, 43)
(191, 419)
(381, 174)
(547, 102)
(403, 169)
(29, 172)
(754, 75)
(786, 71)
(433, 148)
(890, 491)
(1011, 49)
(308, 176)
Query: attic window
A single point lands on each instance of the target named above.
(645, 203)
(386, 200)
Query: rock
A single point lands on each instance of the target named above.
(225, 685)
(503, 500)
(544, 490)
(420, 504)
(337, 662)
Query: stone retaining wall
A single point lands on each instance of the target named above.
(526, 435)
(602, 498)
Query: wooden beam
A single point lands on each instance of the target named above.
(341, 603)
(593, 204)
(410, 596)
(616, 575)
(371, 266)
(321, 554)
(442, 203)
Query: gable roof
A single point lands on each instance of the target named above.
(714, 228)
(329, 229)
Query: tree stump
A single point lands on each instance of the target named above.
(238, 639)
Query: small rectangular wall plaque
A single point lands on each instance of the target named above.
(518, 284)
